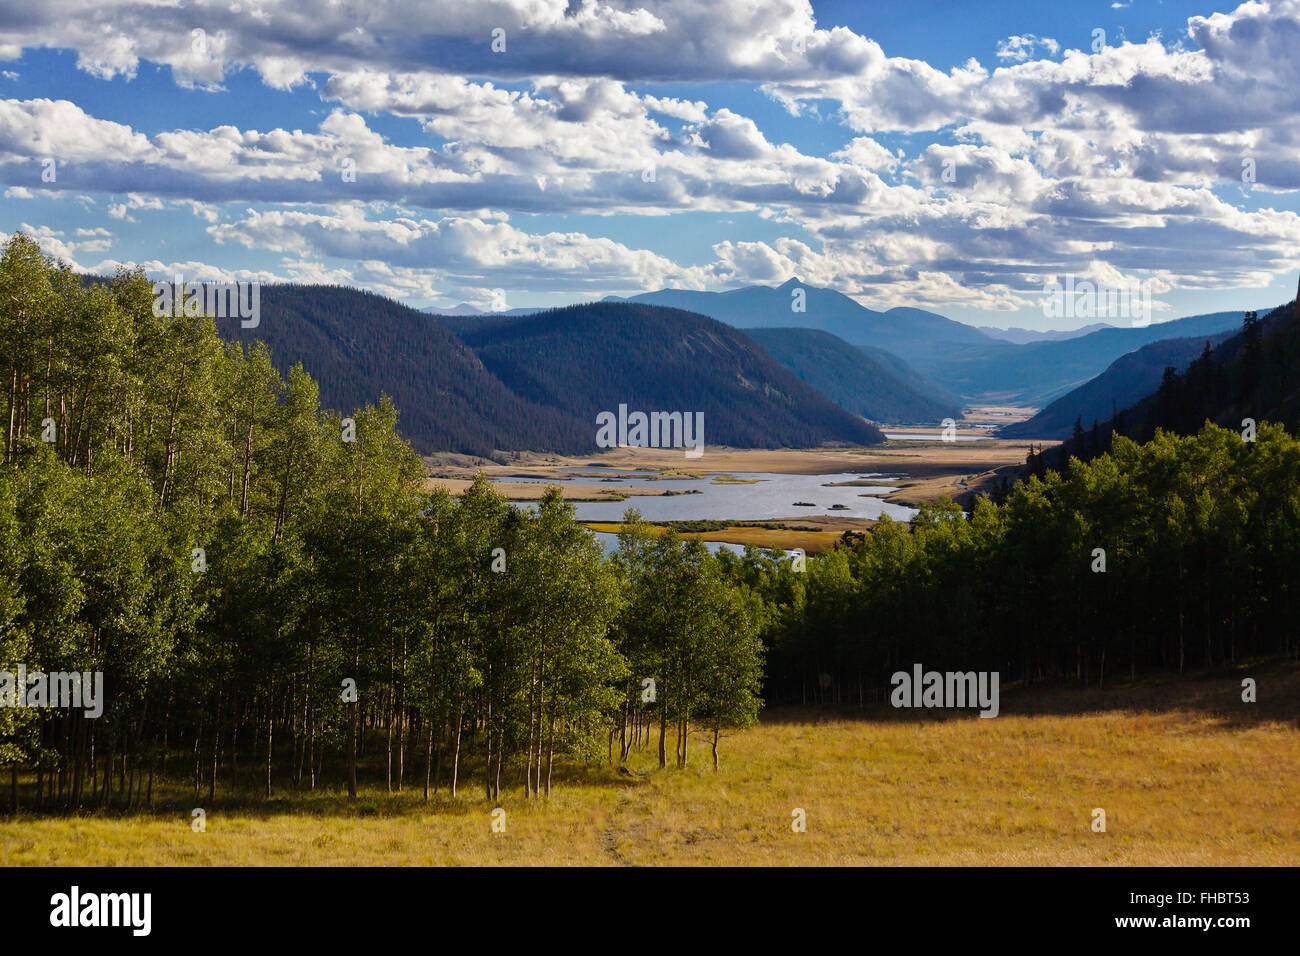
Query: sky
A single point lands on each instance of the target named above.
(951, 156)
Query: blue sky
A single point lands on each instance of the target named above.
(953, 156)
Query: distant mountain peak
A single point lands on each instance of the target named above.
(463, 308)
(1019, 336)
(764, 306)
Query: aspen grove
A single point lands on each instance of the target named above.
(275, 602)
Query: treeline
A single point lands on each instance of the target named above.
(1181, 553)
(273, 599)
(1255, 375)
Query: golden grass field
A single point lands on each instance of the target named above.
(812, 542)
(533, 491)
(1187, 775)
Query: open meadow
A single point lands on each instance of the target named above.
(1186, 773)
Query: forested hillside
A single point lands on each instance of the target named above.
(541, 390)
(1254, 374)
(358, 345)
(867, 381)
(592, 358)
(1129, 379)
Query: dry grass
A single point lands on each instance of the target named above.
(916, 458)
(934, 469)
(534, 490)
(996, 414)
(1186, 773)
(812, 542)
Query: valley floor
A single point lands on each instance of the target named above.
(927, 470)
(1186, 773)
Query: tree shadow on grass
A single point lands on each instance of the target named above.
(175, 800)
(1213, 694)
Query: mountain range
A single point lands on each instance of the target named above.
(1127, 380)
(535, 379)
(537, 382)
(1019, 336)
(1036, 373)
(958, 359)
(1252, 375)
(908, 333)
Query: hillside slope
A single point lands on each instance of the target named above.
(1040, 372)
(867, 381)
(1254, 374)
(358, 345)
(1127, 380)
(587, 359)
(909, 333)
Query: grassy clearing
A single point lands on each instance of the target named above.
(1187, 774)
